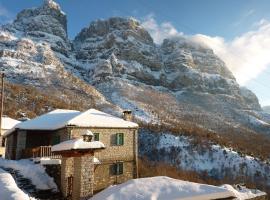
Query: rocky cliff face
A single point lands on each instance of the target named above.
(177, 81)
(35, 51)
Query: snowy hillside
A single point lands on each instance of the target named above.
(217, 162)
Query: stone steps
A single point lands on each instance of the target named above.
(27, 186)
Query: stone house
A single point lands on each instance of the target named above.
(7, 124)
(117, 163)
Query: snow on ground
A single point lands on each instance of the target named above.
(162, 188)
(36, 173)
(243, 192)
(9, 189)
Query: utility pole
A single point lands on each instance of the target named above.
(2, 101)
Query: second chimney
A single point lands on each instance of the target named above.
(127, 115)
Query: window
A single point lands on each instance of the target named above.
(120, 139)
(96, 136)
(117, 168)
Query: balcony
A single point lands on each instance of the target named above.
(40, 152)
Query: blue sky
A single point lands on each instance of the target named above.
(228, 26)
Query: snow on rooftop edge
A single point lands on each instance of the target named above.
(77, 144)
(9, 123)
(96, 118)
(60, 118)
(162, 188)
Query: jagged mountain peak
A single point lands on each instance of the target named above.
(124, 26)
(48, 19)
(52, 5)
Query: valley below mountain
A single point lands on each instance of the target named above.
(193, 113)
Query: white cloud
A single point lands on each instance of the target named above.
(246, 56)
(159, 31)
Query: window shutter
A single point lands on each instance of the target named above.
(120, 168)
(120, 139)
(96, 136)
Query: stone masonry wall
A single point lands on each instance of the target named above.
(103, 176)
(67, 166)
(111, 154)
(112, 151)
(83, 177)
(64, 134)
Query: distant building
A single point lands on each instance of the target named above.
(117, 163)
(7, 124)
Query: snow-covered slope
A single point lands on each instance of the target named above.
(164, 188)
(218, 162)
(9, 189)
(29, 170)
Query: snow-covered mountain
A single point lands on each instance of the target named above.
(33, 51)
(173, 82)
(114, 64)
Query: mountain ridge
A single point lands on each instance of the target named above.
(179, 87)
(118, 60)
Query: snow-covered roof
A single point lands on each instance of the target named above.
(162, 188)
(95, 118)
(60, 118)
(87, 132)
(9, 123)
(77, 144)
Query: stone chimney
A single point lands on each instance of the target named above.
(127, 115)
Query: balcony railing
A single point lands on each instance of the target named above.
(40, 152)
